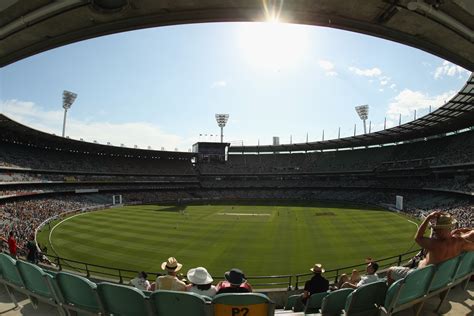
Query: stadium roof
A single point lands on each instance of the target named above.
(14, 132)
(455, 115)
(443, 28)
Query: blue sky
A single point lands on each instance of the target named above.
(161, 87)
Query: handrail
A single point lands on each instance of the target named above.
(119, 274)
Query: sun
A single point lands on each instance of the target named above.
(273, 45)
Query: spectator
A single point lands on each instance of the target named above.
(317, 284)
(32, 255)
(235, 282)
(12, 247)
(370, 277)
(170, 281)
(444, 244)
(140, 282)
(201, 282)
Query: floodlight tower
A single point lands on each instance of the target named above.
(221, 121)
(68, 100)
(363, 111)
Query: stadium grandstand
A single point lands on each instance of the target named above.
(46, 179)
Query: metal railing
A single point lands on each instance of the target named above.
(289, 281)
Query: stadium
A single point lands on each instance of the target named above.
(101, 213)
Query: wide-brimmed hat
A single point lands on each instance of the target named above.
(171, 265)
(199, 276)
(235, 276)
(444, 221)
(318, 268)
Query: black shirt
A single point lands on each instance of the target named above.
(317, 284)
(233, 289)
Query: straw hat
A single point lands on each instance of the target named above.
(199, 276)
(318, 268)
(444, 221)
(171, 265)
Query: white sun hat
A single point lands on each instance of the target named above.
(199, 276)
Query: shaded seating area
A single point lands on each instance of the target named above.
(411, 292)
(69, 294)
(72, 294)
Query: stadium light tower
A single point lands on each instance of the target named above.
(68, 100)
(221, 121)
(363, 111)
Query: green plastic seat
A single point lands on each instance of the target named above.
(466, 265)
(242, 304)
(366, 299)
(313, 305)
(78, 294)
(11, 278)
(35, 279)
(39, 285)
(179, 303)
(334, 302)
(444, 274)
(9, 271)
(291, 301)
(409, 291)
(123, 300)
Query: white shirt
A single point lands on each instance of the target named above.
(140, 283)
(366, 279)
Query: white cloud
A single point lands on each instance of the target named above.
(407, 101)
(370, 72)
(393, 86)
(328, 67)
(384, 80)
(219, 84)
(326, 64)
(449, 69)
(142, 134)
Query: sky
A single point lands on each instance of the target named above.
(162, 87)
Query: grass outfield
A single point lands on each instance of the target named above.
(259, 239)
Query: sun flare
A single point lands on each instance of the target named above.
(273, 45)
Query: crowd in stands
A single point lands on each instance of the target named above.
(28, 157)
(450, 150)
(23, 217)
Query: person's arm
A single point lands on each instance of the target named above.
(425, 242)
(461, 230)
(348, 285)
(467, 240)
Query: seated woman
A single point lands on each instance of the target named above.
(141, 282)
(235, 282)
(201, 282)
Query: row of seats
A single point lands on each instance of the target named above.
(376, 299)
(72, 293)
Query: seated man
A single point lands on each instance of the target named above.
(169, 281)
(444, 244)
(317, 284)
(235, 282)
(370, 277)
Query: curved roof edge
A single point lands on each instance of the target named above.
(442, 28)
(455, 115)
(14, 132)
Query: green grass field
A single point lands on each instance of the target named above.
(259, 239)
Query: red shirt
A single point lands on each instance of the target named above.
(12, 245)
